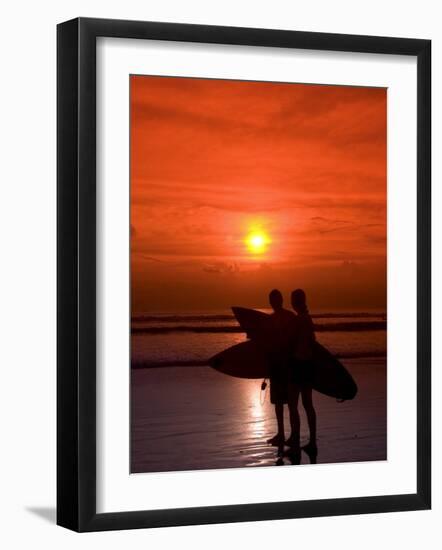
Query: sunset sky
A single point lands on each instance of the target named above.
(239, 187)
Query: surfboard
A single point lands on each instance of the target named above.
(247, 359)
(250, 319)
(254, 323)
(244, 360)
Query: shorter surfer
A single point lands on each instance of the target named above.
(301, 375)
(278, 355)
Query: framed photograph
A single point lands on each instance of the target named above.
(243, 274)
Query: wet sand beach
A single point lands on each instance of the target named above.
(192, 418)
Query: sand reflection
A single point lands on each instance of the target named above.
(258, 425)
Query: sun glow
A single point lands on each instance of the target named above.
(257, 242)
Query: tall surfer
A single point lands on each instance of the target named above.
(278, 355)
(301, 374)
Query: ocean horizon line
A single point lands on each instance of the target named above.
(176, 317)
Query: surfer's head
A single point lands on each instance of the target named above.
(276, 299)
(299, 301)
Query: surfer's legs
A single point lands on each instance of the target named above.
(279, 411)
(295, 424)
(278, 396)
(278, 439)
(307, 403)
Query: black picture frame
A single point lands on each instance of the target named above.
(76, 273)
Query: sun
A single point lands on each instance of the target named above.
(257, 242)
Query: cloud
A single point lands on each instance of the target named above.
(148, 258)
(222, 268)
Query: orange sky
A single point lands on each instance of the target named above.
(213, 160)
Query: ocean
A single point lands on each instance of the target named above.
(166, 340)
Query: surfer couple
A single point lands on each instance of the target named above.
(290, 358)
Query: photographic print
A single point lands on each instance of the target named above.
(258, 252)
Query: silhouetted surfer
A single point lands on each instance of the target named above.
(278, 354)
(301, 374)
